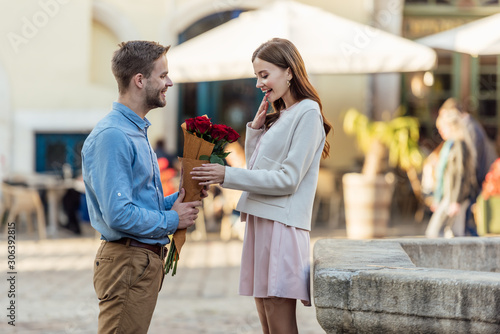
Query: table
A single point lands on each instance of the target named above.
(55, 187)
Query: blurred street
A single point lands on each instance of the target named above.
(55, 293)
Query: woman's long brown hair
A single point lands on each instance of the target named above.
(282, 53)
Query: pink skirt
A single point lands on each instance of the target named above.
(275, 261)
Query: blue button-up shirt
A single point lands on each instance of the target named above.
(122, 181)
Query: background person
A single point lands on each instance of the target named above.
(456, 179)
(485, 155)
(283, 151)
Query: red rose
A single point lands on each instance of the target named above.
(232, 135)
(218, 131)
(202, 124)
(190, 125)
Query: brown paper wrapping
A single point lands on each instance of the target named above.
(194, 147)
(194, 193)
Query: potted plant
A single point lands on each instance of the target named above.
(368, 195)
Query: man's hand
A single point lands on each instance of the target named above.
(187, 211)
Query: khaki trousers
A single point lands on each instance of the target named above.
(127, 281)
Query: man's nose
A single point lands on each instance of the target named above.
(168, 82)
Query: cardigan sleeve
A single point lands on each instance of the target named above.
(270, 177)
(251, 140)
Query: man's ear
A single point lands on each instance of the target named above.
(138, 80)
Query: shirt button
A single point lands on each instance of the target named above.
(119, 194)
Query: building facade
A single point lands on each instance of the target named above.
(56, 81)
(472, 80)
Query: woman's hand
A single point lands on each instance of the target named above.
(209, 174)
(434, 206)
(453, 209)
(204, 192)
(260, 116)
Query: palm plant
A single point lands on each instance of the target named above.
(393, 143)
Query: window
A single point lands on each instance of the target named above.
(485, 89)
(53, 150)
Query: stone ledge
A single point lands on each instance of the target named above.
(374, 287)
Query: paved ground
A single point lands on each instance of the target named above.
(54, 292)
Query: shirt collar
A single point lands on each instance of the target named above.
(142, 124)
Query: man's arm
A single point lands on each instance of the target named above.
(111, 176)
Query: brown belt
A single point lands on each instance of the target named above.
(159, 250)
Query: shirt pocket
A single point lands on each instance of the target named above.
(266, 163)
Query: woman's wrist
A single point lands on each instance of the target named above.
(223, 176)
(251, 126)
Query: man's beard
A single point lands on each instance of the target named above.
(153, 99)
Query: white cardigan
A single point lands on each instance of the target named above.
(282, 183)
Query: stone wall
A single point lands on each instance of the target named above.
(407, 285)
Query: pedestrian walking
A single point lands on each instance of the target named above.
(283, 150)
(455, 177)
(124, 193)
(485, 155)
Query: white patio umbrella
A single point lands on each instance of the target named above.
(328, 44)
(479, 37)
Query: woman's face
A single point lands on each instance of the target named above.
(444, 131)
(272, 78)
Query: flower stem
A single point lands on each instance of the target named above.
(172, 259)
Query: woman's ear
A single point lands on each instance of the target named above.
(289, 75)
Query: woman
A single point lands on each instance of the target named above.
(283, 150)
(455, 177)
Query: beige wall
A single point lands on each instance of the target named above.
(47, 66)
(57, 62)
(103, 43)
(341, 92)
(5, 123)
(57, 65)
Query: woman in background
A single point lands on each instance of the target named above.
(455, 177)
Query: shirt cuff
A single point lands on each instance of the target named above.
(172, 221)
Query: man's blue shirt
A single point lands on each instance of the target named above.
(122, 181)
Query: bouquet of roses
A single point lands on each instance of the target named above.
(491, 184)
(204, 142)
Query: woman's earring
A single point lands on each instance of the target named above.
(288, 83)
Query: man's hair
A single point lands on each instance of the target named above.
(135, 57)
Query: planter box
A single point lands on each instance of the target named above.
(488, 215)
(367, 203)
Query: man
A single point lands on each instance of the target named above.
(125, 196)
